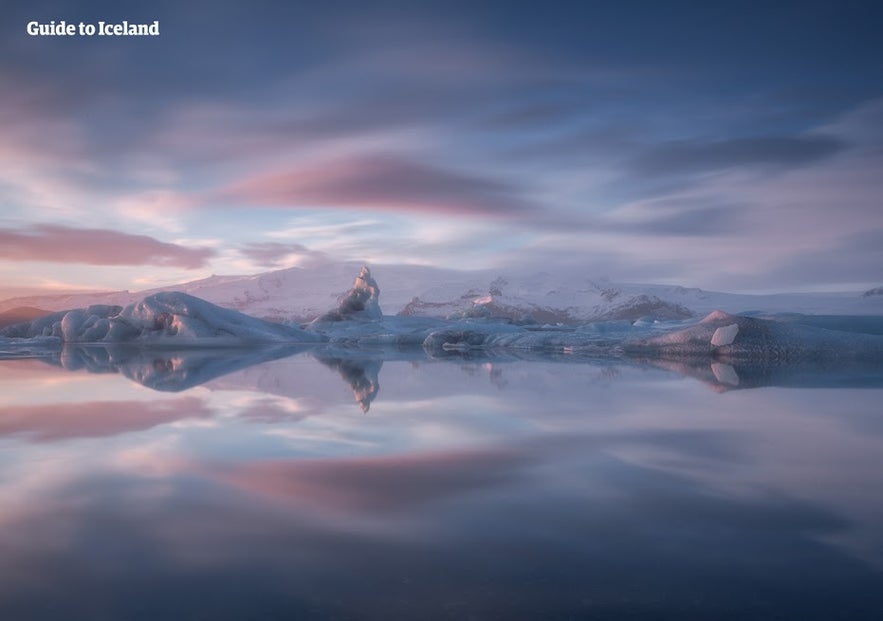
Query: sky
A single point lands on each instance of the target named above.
(734, 146)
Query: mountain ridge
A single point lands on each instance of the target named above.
(302, 294)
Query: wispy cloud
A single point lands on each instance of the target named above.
(274, 254)
(62, 244)
(479, 118)
(384, 182)
(691, 156)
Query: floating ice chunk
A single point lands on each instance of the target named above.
(725, 335)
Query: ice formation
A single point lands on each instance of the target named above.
(725, 335)
(162, 318)
(626, 324)
(731, 337)
(361, 302)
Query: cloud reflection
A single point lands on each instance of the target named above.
(378, 484)
(96, 419)
(542, 529)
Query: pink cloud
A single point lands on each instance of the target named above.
(96, 419)
(61, 244)
(384, 182)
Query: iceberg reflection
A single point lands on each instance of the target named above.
(169, 370)
(176, 370)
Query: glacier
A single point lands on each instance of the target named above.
(629, 325)
(302, 294)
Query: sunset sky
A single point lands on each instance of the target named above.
(727, 145)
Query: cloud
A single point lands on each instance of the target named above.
(273, 254)
(854, 261)
(62, 244)
(676, 215)
(96, 419)
(386, 182)
(690, 156)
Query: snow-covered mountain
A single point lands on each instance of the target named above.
(294, 294)
(303, 294)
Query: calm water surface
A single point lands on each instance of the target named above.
(270, 484)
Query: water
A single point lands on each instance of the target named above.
(282, 484)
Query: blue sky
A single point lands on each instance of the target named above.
(727, 145)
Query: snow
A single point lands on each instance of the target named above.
(398, 331)
(303, 294)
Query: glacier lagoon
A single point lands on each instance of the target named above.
(329, 483)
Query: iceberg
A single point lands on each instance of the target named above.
(362, 302)
(29, 347)
(726, 337)
(634, 326)
(167, 318)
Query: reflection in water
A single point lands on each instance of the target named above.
(175, 370)
(361, 374)
(94, 419)
(484, 486)
(170, 370)
(721, 376)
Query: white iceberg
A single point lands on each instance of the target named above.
(725, 335)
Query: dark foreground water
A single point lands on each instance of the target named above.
(260, 485)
